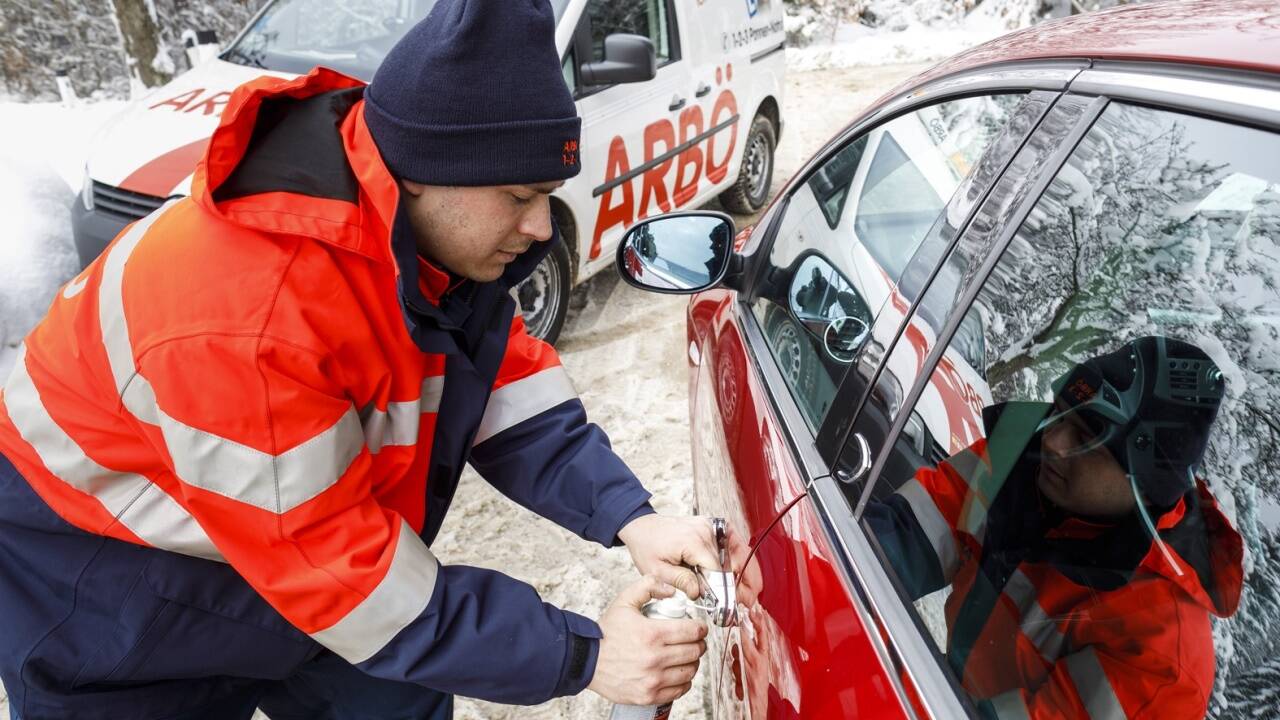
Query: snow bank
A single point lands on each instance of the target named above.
(857, 45)
(891, 32)
(41, 169)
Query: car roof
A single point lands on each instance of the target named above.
(1240, 35)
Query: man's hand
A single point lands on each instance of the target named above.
(666, 547)
(643, 661)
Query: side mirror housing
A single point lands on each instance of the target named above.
(627, 59)
(680, 253)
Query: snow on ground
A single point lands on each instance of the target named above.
(41, 169)
(624, 348)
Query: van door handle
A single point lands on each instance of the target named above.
(677, 102)
(703, 90)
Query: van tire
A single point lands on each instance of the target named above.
(544, 296)
(750, 191)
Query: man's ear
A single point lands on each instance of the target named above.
(413, 188)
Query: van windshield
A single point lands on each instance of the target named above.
(351, 36)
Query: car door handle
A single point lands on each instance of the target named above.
(703, 90)
(677, 102)
(849, 477)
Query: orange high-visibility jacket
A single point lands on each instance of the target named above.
(264, 375)
(1043, 636)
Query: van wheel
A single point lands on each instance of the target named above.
(544, 295)
(750, 191)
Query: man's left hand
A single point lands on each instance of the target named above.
(666, 547)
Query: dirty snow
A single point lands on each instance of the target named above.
(624, 349)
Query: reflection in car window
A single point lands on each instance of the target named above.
(646, 18)
(1075, 538)
(850, 229)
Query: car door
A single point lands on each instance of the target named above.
(825, 294)
(1127, 218)
(625, 126)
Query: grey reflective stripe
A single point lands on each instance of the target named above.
(1010, 706)
(1039, 628)
(398, 600)
(973, 513)
(1095, 690)
(399, 424)
(934, 525)
(512, 404)
(277, 483)
(133, 500)
(111, 317)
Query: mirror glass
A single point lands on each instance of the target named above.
(684, 253)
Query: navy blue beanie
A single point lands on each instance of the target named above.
(474, 95)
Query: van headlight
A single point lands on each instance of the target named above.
(86, 191)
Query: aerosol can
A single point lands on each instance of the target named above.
(675, 607)
(717, 604)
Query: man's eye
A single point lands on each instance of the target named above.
(521, 200)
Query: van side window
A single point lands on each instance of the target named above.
(647, 18)
(849, 231)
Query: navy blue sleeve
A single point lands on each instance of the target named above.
(562, 467)
(489, 636)
(905, 545)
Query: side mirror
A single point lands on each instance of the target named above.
(627, 59)
(681, 253)
(828, 306)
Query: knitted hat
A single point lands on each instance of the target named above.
(474, 95)
(1152, 403)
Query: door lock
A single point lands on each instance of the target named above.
(718, 587)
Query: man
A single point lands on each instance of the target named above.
(225, 451)
(1084, 556)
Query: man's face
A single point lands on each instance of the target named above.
(1090, 483)
(476, 231)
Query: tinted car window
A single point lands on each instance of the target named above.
(1075, 532)
(647, 18)
(849, 230)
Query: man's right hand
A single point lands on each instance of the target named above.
(643, 661)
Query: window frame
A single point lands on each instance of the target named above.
(1012, 77)
(580, 47)
(1245, 99)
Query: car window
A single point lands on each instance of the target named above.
(1088, 518)
(348, 35)
(849, 230)
(647, 18)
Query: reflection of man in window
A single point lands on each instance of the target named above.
(1084, 555)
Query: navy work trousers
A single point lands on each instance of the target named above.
(93, 628)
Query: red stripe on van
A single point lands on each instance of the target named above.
(162, 174)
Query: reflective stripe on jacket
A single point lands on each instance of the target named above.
(259, 375)
(1048, 642)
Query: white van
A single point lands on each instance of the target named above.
(705, 124)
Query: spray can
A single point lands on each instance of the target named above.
(675, 607)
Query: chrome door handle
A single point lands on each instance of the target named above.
(703, 90)
(864, 463)
(719, 588)
(677, 102)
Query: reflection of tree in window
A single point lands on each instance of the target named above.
(1167, 224)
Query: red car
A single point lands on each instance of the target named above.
(988, 397)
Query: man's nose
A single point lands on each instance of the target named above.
(536, 224)
(1059, 438)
